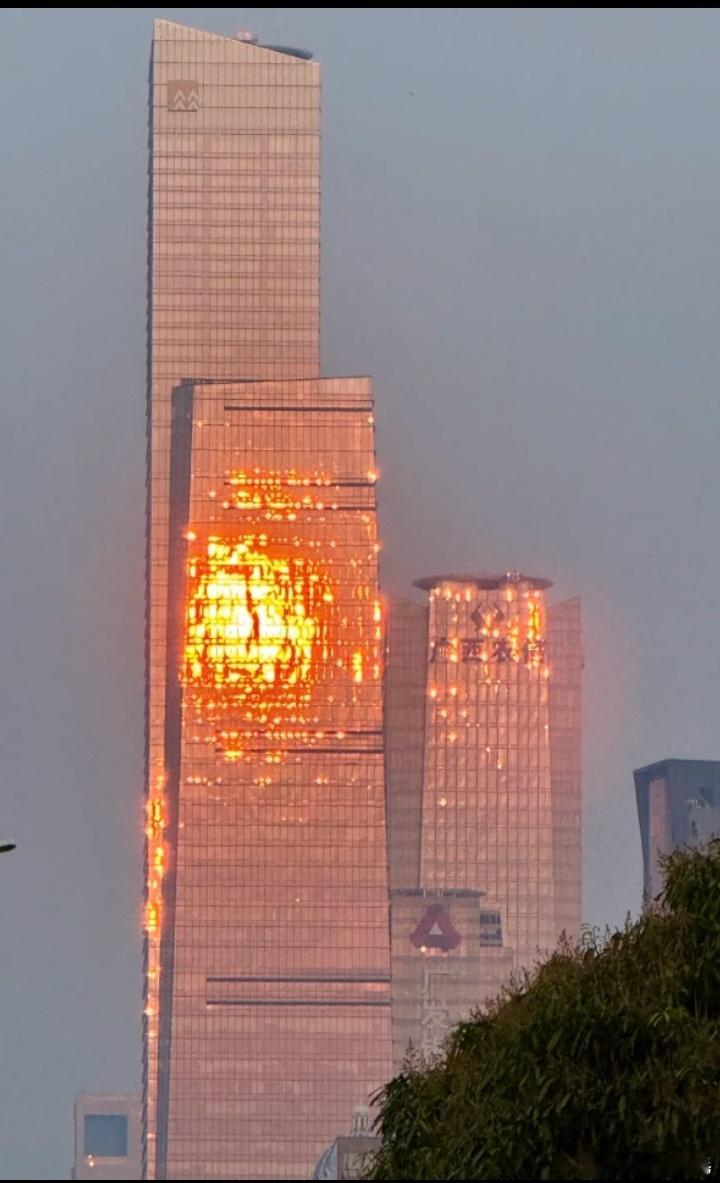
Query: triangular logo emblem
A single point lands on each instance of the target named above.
(435, 930)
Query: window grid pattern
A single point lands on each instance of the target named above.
(406, 641)
(277, 1013)
(233, 292)
(432, 702)
(487, 802)
(566, 662)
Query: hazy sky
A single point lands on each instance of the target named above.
(520, 245)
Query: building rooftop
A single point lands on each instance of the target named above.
(649, 771)
(192, 33)
(483, 581)
(251, 39)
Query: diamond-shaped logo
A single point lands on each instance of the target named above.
(489, 615)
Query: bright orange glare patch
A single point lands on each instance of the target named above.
(255, 628)
(279, 495)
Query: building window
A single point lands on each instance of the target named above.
(106, 1135)
(490, 928)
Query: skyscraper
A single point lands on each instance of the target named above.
(482, 696)
(678, 803)
(267, 956)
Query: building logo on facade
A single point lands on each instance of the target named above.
(183, 96)
(435, 930)
(487, 614)
(514, 633)
(436, 1026)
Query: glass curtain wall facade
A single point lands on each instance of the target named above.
(487, 807)
(678, 803)
(483, 763)
(267, 947)
(565, 656)
(406, 646)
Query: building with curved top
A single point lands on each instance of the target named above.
(482, 700)
(350, 1155)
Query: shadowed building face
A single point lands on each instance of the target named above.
(678, 803)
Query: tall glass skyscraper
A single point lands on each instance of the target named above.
(482, 699)
(487, 808)
(267, 1012)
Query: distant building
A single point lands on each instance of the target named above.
(482, 750)
(678, 804)
(350, 1154)
(107, 1136)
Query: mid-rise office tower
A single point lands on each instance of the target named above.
(267, 958)
(483, 771)
(678, 803)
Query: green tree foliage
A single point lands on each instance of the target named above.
(603, 1065)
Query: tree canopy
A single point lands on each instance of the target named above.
(604, 1064)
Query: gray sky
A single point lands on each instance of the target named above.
(520, 244)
